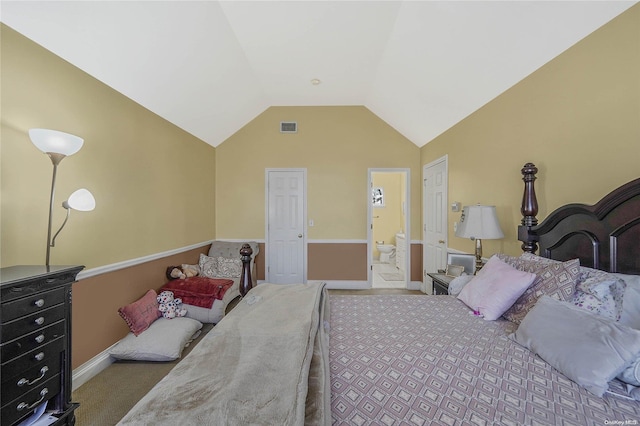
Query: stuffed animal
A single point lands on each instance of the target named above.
(182, 272)
(169, 306)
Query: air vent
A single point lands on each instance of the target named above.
(288, 127)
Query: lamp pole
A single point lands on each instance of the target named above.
(56, 158)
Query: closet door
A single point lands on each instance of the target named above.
(286, 232)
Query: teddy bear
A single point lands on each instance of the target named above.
(169, 306)
(182, 272)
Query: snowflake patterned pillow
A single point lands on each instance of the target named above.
(600, 293)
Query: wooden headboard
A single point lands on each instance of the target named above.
(603, 236)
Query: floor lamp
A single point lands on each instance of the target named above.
(58, 145)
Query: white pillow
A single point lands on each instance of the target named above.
(587, 348)
(457, 284)
(495, 288)
(164, 340)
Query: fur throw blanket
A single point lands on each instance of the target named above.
(265, 363)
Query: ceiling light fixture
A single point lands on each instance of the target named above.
(315, 81)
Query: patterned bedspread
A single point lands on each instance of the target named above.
(420, 360)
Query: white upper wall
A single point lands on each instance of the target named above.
(210, 67)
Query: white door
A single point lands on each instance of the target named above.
(435, 219)
(286, 217)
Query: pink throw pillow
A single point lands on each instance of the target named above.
(496, 287)
(140, 314)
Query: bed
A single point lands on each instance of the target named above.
(416, 359)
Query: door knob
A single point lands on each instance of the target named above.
(299, 235)
(441, 241)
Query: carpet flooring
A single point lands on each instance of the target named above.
(107, 397)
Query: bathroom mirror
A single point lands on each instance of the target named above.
(378, 197)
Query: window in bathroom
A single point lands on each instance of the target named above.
(378, 197)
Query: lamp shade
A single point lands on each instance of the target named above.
(81, 200)
(53, 141)
(479, 222)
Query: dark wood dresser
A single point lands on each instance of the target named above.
(35, 342)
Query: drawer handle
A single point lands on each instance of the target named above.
(40, 338)
(24, 405)
(39, 320)
(39, 356)
(43, 372)
(39, 303)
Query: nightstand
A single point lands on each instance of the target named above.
(440, 283)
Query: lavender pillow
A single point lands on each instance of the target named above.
(494, 289)
(554, 279)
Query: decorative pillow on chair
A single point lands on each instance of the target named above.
(140, 314)
(494, 289)
(589, 349)
(164, 340)
(555, 279)
(229, 268)
(208, 266)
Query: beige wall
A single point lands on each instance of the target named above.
(577, 118)
(337, 146)
(159, 188)
(154, 184)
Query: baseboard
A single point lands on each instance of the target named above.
(415, 285)
(89, 369)
(345, 285)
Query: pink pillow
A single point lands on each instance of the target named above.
(140, 314)
(496, 287)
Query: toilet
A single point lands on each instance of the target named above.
(386, 251)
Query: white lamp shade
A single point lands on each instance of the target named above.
(53, 141)
(81, 200)
(479, 222)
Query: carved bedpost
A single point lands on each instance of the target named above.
(529, 209)
(245, 278)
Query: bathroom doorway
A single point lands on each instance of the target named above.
(388, 242)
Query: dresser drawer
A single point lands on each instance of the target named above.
(28, 342)
(31, 304)
(24, 404)
(27, 380)
(15, 288)
(31, 323)
(49, 353)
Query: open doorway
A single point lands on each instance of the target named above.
(388, 241)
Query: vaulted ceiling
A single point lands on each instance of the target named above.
(210, 67)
